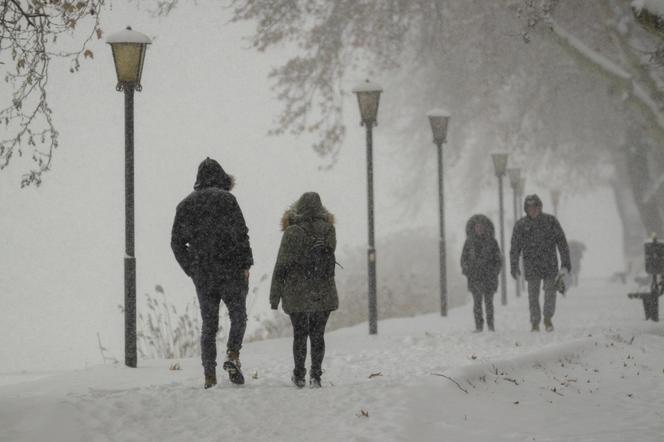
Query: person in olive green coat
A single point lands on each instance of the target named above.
(303, 280)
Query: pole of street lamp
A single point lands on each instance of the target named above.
(515, 193)
(371, 251)
(129, 260)
(442, 251)
(503, 273)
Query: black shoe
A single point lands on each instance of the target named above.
(299, 382)
(314, 382)
(535, 328)
(210, 378)
(232, 366)
(548, 325)
(491, 328)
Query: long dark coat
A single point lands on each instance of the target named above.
(210, 237)
(481, 260)
(537, 238)
(306, 219)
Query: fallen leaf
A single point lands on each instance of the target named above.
(88, 54)
(373, 375)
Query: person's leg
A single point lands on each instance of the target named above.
(477, 310)
(533, 301)
(208, 301)
(234, 295)
(488, 308)
(317, 323)
(300, 322)
(549, 300)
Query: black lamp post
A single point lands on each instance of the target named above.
(368, 97)
(500, 167)
(515, 180)
(128, 49)
(439, 119)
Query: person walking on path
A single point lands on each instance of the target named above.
(537, 236)
(303, 281)
(481, 262)
(211, 243)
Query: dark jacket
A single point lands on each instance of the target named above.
(537, 238)
(481, 260)
(306, 220)
(209, 236)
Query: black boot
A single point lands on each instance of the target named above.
(210, 378)
(232, 366)
(298, 381)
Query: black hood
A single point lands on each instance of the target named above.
(532, 200)
(489, 230)
(211, 174)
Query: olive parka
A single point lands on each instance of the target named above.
(302, 223)
(481, 260)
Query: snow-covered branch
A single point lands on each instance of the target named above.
(613, 70)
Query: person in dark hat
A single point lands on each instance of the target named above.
(303, 281)
(211, 243)
(481, 262)
(536, 236)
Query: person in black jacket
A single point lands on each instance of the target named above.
(481, 262)
(211, 243)
(536, 236)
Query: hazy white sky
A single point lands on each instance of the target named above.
(62, 247)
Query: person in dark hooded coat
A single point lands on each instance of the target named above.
(481, 262)
(537, 236)
(308, 295)
(211, 243)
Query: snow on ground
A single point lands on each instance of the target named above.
(599, 376)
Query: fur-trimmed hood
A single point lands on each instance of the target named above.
(308, 208)
(211, 174)
(489, 230)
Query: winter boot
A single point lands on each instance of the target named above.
(210, 378)
(299, 382)
(548, 325)
(535, 327)
(314, 382)
(491, 327)
(232, 366)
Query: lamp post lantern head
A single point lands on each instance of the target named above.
(439, 119)
(368, 97)
(128, 48)
(522, 185)
(499, 163)
(515, 176)
(555, 196)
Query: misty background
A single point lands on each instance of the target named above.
(206, 92)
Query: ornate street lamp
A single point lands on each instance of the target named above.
(500, 167)
(368, 97)
(128, 49)
(439, 119)
(515, 182)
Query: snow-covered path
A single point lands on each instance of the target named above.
(599, 376)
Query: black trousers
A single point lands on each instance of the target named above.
(478, 297)
(234, 294)
(312, 326)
